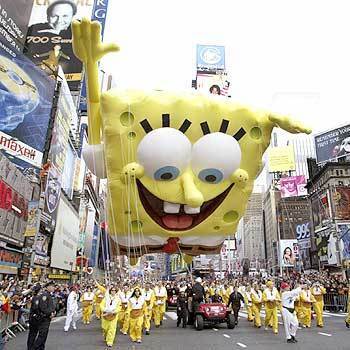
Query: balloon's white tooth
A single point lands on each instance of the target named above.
(171, 208)
(191, 210)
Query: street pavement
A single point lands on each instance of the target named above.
(334, 336)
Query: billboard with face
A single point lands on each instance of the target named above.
(289, 251)
(333, 144)
(293, 186)
(214, 84)
(49, 38)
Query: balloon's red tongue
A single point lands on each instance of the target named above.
(177, 221)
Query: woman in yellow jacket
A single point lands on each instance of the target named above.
(160, 294)
(124, 296)
(136, 310)
(248, 302)
(318, 292)
(272, 300)
(257, 301)
(307, 299)
(87, 302)
(148, 294)
(99, 295)
(110, 307)
(299, 309)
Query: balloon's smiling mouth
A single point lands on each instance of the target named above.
(174, 216)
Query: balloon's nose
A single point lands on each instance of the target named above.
(193, 197)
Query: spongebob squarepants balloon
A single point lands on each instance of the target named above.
(180, 167)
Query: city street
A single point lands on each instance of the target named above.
(333, 336)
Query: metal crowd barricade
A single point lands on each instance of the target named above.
(9, 324)
(336, 302)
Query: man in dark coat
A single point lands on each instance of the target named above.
(235, 300)
(198, 293)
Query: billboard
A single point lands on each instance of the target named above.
(15, 193)
(341, 199)
(49, 38)
(33, 222)
(41, 248)
(14, 19)
(320, 209)
(344, 233)
(52, 199)
(68, 172)
(215, 84)
(210, 58)
(66, 237)
(303, 235)
(332, 144)
(293, 186)
(65, 116)
(289, 252)
(326, 241)
(281, 159)
(26, 95)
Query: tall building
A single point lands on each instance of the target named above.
(329, 195)
(271, 228)
(249, 235)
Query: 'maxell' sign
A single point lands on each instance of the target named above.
(15, 192)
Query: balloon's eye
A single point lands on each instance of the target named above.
(166, 173)
(212, 176)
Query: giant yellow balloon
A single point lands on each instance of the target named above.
(180, 166)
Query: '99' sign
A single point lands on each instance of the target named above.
(303, 231)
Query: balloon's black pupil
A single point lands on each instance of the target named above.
(210, 178)
(166, 176)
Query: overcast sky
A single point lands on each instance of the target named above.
(287, 56)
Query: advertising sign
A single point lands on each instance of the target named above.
(26, 95)
(332, 144)
(33, 222)
(303, 235)
(66, 115)
(15, 192)
(9, 261)
(341, 199)
(281, 159)
(49, 38)
(66, 238)
(289, 251)
(293, 186)
(52, 199)
(94, 245)
(41, 248)
(326, 247)
(214, 84)
(320, 211)
(210, 58)
(344, 233)
(14, 19)
(68, 172)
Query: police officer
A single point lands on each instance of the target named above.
(41, 311)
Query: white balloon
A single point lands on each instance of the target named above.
(164, 152)
(94, 158)
(215, 157)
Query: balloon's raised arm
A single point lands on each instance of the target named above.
(88, 47)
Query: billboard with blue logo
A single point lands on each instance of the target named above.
(210, 58)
